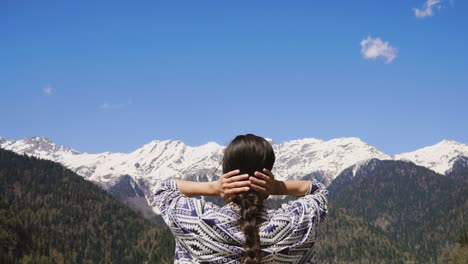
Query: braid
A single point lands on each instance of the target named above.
(251, 205)
(249, 153)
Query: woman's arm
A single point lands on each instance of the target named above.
(190, 188)
(227, 186)
(266, 183)
(294, 188)
(231, 184)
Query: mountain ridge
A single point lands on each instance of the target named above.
(162, 159)
(70, 220)
(438, 157)
(158, 160)
(59, 217)
(412, 204)
(446, 149)
(203, 156)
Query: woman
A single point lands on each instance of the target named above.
(243, 231)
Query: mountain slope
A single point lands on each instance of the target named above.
(297, 158)
(41, 147)
(459, 170)
(159, 160)
(14, 240)
(345, 238)
(69, 219)
(411, 204)
(439, 157)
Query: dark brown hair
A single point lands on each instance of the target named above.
(249, 153)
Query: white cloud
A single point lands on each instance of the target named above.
(426, 10)
(373, 48)
(107, 105)
(48, 89)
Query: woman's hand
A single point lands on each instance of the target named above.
(231, 184)
(264, 183)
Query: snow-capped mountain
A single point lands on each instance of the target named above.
(41, 147)
(140, 171)
(439, 157)
(159, 160)
(297, 158)
(155, 161)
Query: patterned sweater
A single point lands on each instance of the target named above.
(207, 233)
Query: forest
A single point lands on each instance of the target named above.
(48, 214)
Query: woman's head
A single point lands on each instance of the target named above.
(249, 153)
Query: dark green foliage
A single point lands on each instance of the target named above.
(344, 238)
(389, 212)
(459, 170)
(463, 239)
(422, 210)
(457, 253)
(70, 220)
(14, 241)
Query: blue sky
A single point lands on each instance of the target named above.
(112, 76)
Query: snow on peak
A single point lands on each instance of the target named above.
(359, 165)
(162, 159)
(450, 142)
(39, 139)
(212, 143)
(301, 141)
(438, 157)
(297, 158)
(41, 147)
(209, 145)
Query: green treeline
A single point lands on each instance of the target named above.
(420, 210)
(48, 214)
(344, 238)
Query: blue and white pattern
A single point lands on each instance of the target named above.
(207, 233)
